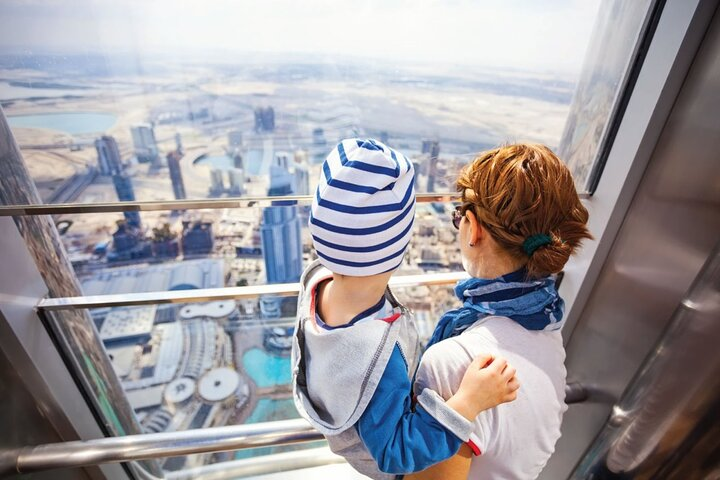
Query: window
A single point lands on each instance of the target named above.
(161, 101)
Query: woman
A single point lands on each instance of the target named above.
(519, 222)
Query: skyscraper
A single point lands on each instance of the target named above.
(109, 160)
(125, 193)
(432, 149)
(302, 179)
(178, 143)
(264, 119)
(146, 149)
(235, 137)
(319, 148)
(282, 181)
(281, 242)
(178, 186)
(237, 181)
(280, 229)
(217, 183)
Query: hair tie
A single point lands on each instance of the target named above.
(533, 242)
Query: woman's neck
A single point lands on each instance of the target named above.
(494, 266)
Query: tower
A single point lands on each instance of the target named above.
(237, 181)
(281, 242)
(178, 186)
(280, 229)
(178, 143)
(217, 183)
(235, 139)
(146, 148)
(264, 119)
(109, 160)
(302, 179)
(125, 193)
(432, 149)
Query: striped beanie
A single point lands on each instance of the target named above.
(364, 207)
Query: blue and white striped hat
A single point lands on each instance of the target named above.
(364, 207)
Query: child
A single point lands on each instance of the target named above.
(356, 349)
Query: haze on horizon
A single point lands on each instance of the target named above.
(523, 34)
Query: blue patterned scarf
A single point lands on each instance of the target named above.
(534, 304)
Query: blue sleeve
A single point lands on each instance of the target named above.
(402, 441)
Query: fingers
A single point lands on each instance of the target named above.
(508, 373)
(513, 385)
(481, 361)
(497, 366)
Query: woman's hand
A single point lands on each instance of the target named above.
(488, 382)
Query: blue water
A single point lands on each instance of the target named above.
(268, 370)
(269, 410)
(73, 123)
(265, 369)
(253, 160)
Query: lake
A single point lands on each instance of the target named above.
(75, 123)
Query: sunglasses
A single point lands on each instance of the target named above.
(458, 214)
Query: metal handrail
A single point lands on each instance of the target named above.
(198, 204)
(155, 445)
(260, 465)
(193, 204)
(226, 293)
(170, 444)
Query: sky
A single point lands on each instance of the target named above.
(546, 35)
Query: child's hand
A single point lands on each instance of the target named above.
(488, 382)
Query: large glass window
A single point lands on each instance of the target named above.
(188, 99)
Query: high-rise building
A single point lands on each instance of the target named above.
(319, 136)
(217, 183)
(178, 186)
(280, 228)
(282, 181)
(282, 159)
(432, 149)
(235, 138)
(146, 149)
(238, 160)
(197, 237)
(282, 244)
(126, 193)
(302, 179)
(178, 143)
(109, 160)
(264, 119)
(237, 181)
(319, 149)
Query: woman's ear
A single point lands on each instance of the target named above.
(476, 229)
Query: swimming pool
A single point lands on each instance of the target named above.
(270, 410)
(267, 370)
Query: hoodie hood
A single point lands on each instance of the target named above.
(336, 371)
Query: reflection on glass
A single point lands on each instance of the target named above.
(609, 55)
